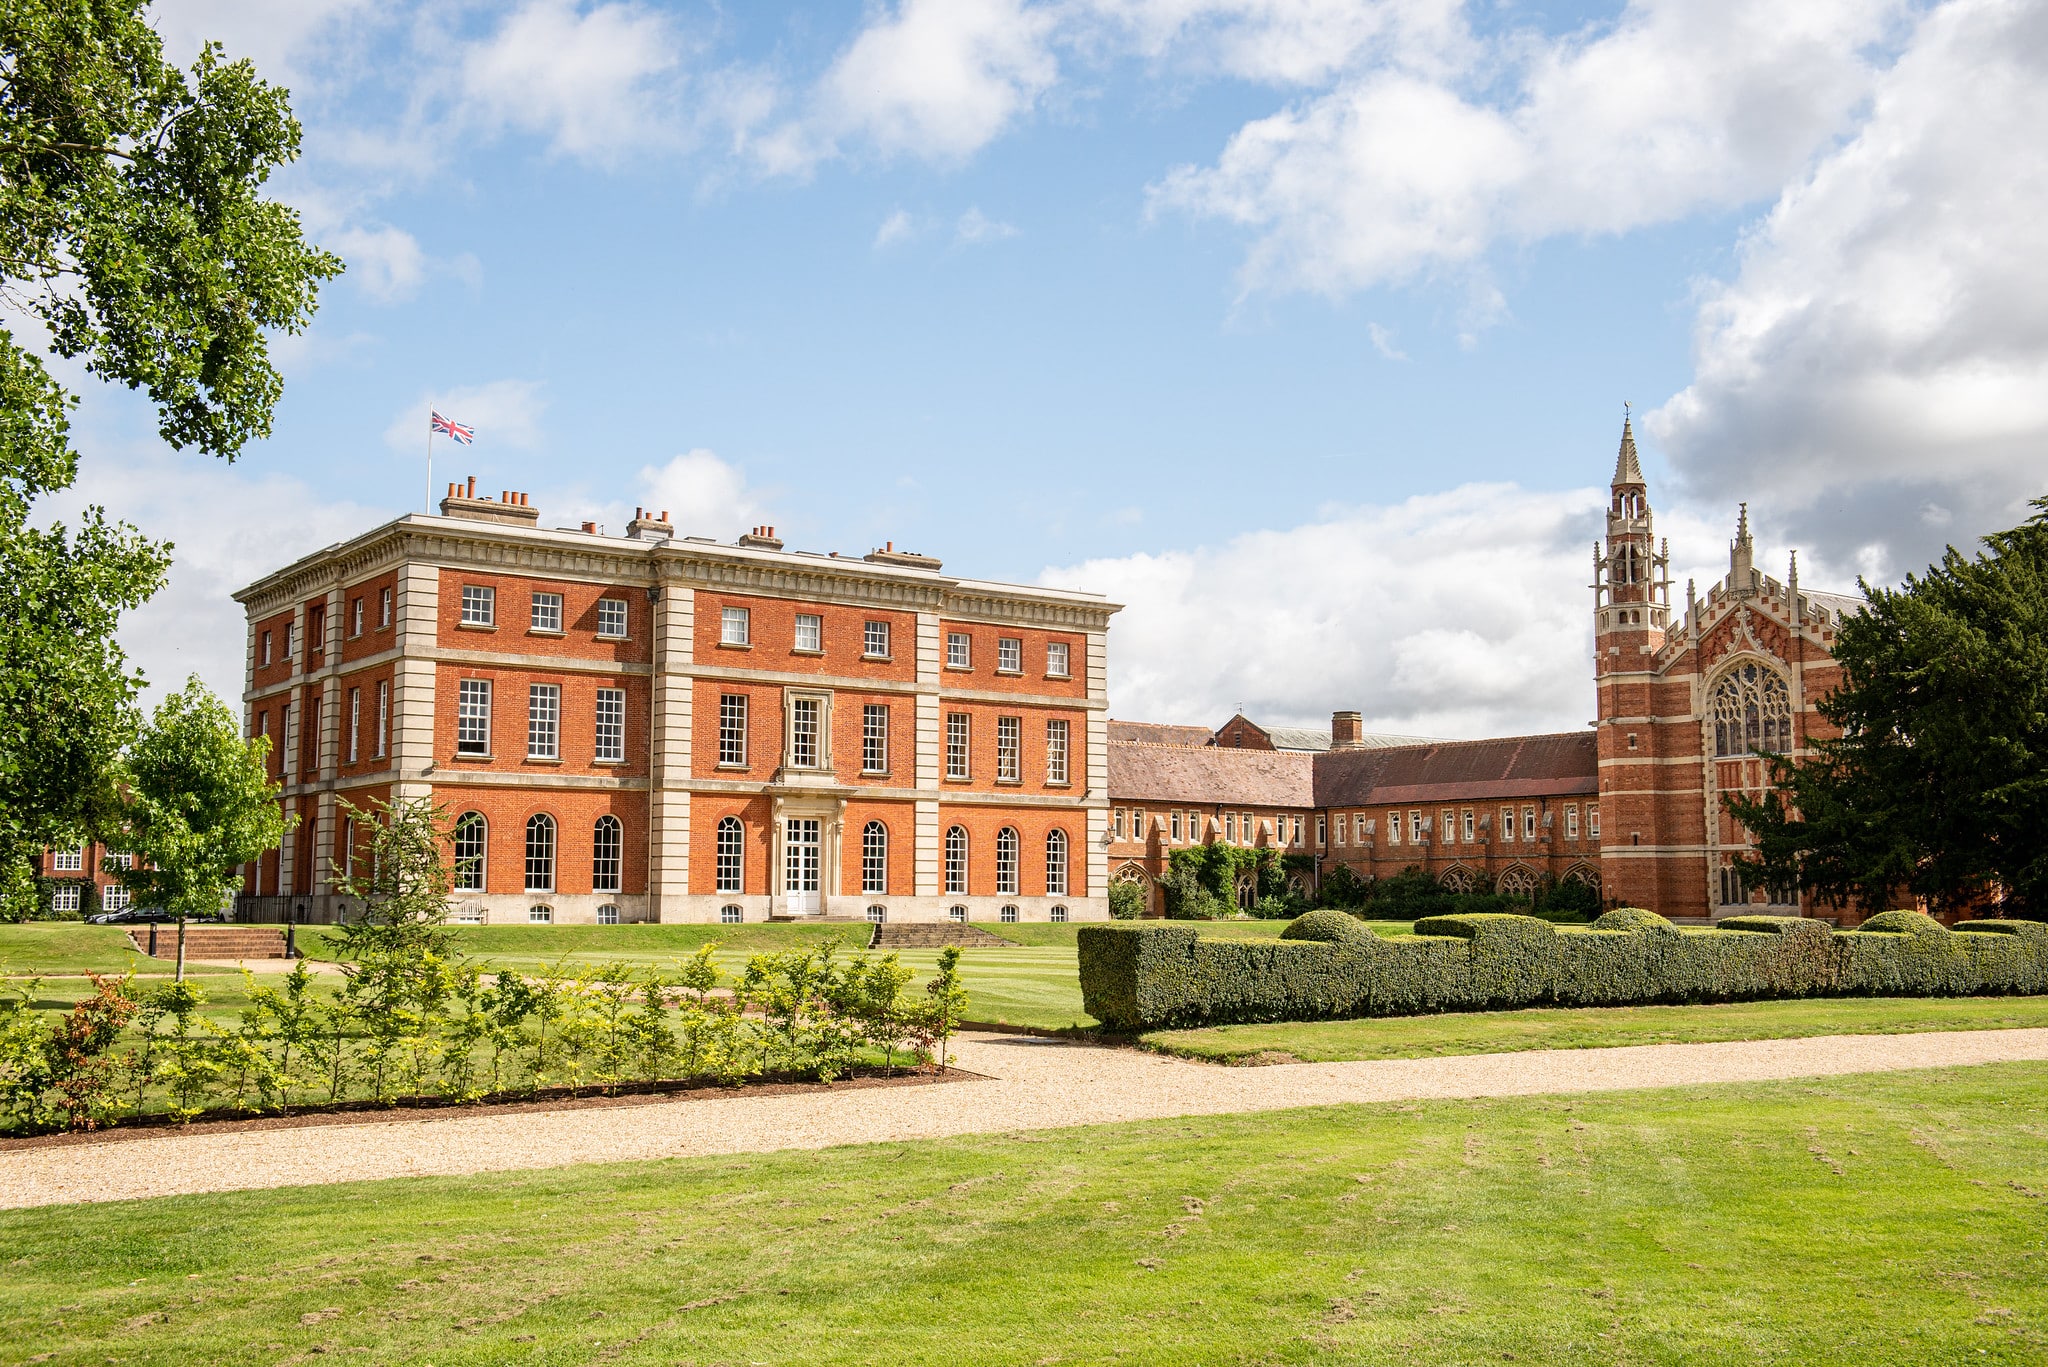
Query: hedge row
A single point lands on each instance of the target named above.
(1328, 966)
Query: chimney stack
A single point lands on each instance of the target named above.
(762, 539)
(1347, 731)
(511, 506)
(646, 527)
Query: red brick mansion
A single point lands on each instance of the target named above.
(658, 728)
(1685, 698)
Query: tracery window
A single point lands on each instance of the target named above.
(1752, 711)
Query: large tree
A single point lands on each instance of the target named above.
(1938, 785)
(136, 243)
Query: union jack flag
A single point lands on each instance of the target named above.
(451, 428)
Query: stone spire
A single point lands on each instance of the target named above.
(1742, 556)
(1627, 470)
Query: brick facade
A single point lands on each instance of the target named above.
(832, 757)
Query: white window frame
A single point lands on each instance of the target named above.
(543, 721)
(735, 627)
(68, 861)
(608, 915)
(959, 650)
(541, 857)
(266, 648)
(1116, 823)
(1057, 732)
(1414, 826)
(809, 728)
(1173, 824)
(1007, 842)
(1447, 823)
(473, 718)
(384, 604)
(383, 719)
(1592, 821)
(874, 738)
(291, 640)
(607, 610)
(874, 639)
(471, 857)
(355, 617)
(1009, 654)
(1571, 821)
(959, 745)
(540, 916)
(1507, 825)
(1009, 749)
(1528, 823)
(874, 859)
(731, 855)
(956, 860)
(732, 730)
(1343, 832)
(1393, 828)
(607, 869)
(355, 723)
(479, 605)
(1056, 863)
(67, 897)
(809, 637)
(609, 740)
(1059, 660)
(547, 613)
(1465, 821)
(114, 897)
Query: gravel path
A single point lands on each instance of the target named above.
(1028, 1084)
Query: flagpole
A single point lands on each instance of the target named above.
(428, 505)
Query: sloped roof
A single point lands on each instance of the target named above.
(1157, 733)
(1837, 604)
(1210, 775)
(1459, 771)
(1297, 738)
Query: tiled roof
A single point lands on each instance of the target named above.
(1458, 771)
(1210, 775)
(1297, 738)
(1837, 604)
(1157, 733)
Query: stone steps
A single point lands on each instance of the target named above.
(212, 942)
(932, 935)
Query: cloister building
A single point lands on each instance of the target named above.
(658, 728)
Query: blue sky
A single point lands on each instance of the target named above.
(1302, 327)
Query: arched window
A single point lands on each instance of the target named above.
(1752, 711)
(731, 914)
(956, 859)
(732, 852)
(877, 915)
(607, 854)
(1006, 862)
(1059, 915)
(540, 853)
(471, 838)
(1517, 881)
(874, 857)
(1055, 863)
(1008, 915)
(957, 915)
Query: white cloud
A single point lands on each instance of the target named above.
(702, 494)
(940, 78)
(1421, 162)
(1877, 370)
(278, 38)
(594, 82)
(505, 414)
(386, 263)
(897, 227)
(1383, 342)
(231, 527)
(1459, 614)
(976, 227)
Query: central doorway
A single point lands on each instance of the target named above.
(800, 839)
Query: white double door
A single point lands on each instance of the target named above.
(802, 864)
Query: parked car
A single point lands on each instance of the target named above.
(141, 916)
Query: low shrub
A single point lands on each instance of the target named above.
(1126, 901)
(1327, 966)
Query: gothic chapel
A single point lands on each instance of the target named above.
(1685, 706)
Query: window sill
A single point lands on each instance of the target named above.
(734, 768)
(476, 626)
(620, 760)
(461, 755)
(878, 659)
(874, 773)
(1059, 678)
(959, 669)
(602, 637)
(1050, 784)
(958, 778)
(543, 759)
(806, 650)
(1009, 783)
(385, 627)
(735, 645)
(1009, 673)
(545, 631)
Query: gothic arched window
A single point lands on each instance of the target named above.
(1752, 711)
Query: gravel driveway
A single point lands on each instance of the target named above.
(1027, 1084)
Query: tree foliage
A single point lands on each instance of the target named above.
(135, 241)
(1937, 787)
(197, 804)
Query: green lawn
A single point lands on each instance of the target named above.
(1498, 1032)
(58, 948)
(1884, 1219)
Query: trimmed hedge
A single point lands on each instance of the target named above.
(1327, 966)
